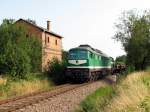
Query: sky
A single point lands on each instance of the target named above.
(78, 21)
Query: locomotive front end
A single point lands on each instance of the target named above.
(77, 65)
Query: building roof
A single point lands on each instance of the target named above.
(41, 28)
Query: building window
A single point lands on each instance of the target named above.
(55, 42)
(45, 40)
(48, 39)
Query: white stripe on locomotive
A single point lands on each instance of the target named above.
(89, 67)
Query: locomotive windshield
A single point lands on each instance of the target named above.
(78, 54)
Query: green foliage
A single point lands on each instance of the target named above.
(130, 69)
(18, 52)
(64, 56)
(56, 71)
(134, 34)
(120, 77)
(120, 59)
(146, 81)
(130, 94)
(35, 54)
(97, 100)
(148, 69)
(37, 76)
(145, 104)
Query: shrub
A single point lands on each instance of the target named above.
(130, 69)
(56, 71)
(19, 54)
(148, 69)
(35, 53)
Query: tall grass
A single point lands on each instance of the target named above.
(35, 83)
(131, 92)
(131, 95)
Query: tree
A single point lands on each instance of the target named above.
(133, 31)
(17, 51)
(121, 59)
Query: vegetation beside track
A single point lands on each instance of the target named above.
(21, 63)
(20, 54)
(96, 100)
(129, 95)
(35, 83)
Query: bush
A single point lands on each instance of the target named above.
(35, 53)
(19, 54)
(56, 71)
(130, 69)
(148, 69)
(19, 64)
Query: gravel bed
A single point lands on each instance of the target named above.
(68, 101)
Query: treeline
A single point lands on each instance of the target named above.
(20, 54)
(133, 31)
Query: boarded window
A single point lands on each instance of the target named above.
(48, 39)
(55, 42)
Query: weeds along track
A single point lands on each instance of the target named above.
(13, 104)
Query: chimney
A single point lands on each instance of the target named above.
(48, 25)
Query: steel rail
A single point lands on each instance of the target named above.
(13, 104)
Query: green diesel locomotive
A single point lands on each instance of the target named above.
(87, 64)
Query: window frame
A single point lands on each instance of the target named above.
(56, 43)
(48, 40)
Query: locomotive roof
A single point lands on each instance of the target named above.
(89, 48)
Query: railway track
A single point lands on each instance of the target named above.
(13, 104)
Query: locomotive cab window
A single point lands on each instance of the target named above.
(78, 54)
(96, 57)
(99, 57)
(83, 54)
(72, 55)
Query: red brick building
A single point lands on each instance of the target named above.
(51, 42)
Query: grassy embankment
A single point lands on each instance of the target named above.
(34, 83)
(131, 94)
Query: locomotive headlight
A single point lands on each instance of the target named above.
(77, 62)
